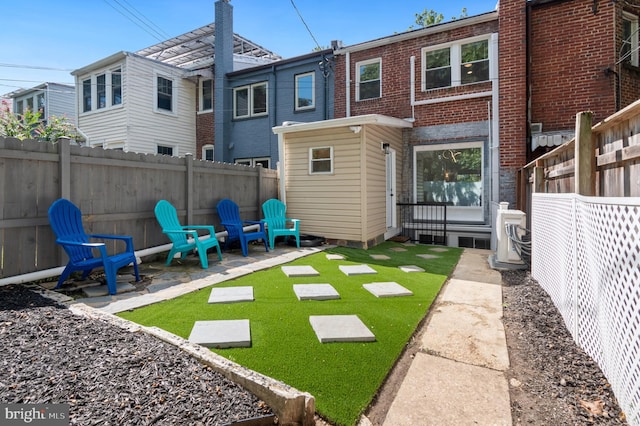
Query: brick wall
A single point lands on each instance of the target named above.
(571, 47)
(204, 131)
(513, 85)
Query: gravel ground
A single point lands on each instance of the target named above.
(109, 376)
(552, 381)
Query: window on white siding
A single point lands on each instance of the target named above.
(164, 94)
(116, 87)
(207, 152)
(305, 91)
(40, 103)
(206, 95)
(165, 150)
(456, 64)
(101, 90)
(262, 161)
(250, 101)
(20, 107)
(629, 50)
(30, 104)
(369, 79)
(321, 160)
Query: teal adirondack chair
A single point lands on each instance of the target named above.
(179, 235)
(278, 225)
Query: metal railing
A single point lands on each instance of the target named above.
(424, 223)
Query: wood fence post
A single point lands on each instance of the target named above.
(64, 151)
(538, 177)
(260, 183)
(584, 155)
(188, 159)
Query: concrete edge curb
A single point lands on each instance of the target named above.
(291, 406)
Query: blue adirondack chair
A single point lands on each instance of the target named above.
(179, 235)
(66, 221)
(278, 225)
(230, 218)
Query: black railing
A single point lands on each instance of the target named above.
(424, 223)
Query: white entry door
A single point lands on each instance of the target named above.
(390, 160)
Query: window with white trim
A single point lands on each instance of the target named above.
(250, 101)
(206, 95)
(305, 91)
(164, 94)
(101, 90)
(629, 50)
(321, 160)
(207, 152)
(86, 95)
(116, 87)
(451, 174)
(369, 79)
(454, 64)
(253, 162)
(164, 150)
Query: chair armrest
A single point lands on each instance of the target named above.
(209, 228)
(295, 222)
(256, 222)
(79, 244)
(128, 239)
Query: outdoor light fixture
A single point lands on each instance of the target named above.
(355, 129)
(385, 148)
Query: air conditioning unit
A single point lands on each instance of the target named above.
(506, 251)
(536, 128)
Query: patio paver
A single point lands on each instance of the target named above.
(333, 256)
(387, 289)
(357, 269)
(231, 294)
(315, 292)
(222, 333)
(340, 328)
(428, 256)
(380, 257)
(411, 268)
(300, 271)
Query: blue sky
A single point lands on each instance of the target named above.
(43, 40)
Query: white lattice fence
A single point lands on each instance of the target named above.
(586, 255)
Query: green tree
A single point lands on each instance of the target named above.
(431, 17)
(30, 125)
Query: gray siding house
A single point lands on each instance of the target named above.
(51, 99)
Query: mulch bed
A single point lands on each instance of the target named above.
(108, 375)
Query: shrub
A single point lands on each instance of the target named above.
(30, 125)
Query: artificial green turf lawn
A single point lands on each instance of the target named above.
(343, 377)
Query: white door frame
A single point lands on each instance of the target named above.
(390, 173)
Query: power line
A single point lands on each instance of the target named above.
(149, 30)
(306, 26)
(34, 67)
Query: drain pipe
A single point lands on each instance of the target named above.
(54, 272)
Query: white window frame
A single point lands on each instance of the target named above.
(253, 162)
(312, 161)
(298, 77)
(208, 147)
(201, 93)
(634, 58)
(358, 82)
(456, 213)
(94, 106)
(250, 88)
(455, 61)
(174, 148)
(174, 94)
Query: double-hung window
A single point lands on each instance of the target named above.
(206, 95)
(305, 91)
(321, 160)
(101, 86)
(250, 101)
(86, 95)
(629, 51)
(456, 64)
(40, 102)
(369, 79)
(164, 94)
(116, 87)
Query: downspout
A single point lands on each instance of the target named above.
(347, 67)
(528, 78)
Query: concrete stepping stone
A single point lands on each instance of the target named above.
(340, 328)
(221, 334)
(300, 271)
(387, 289)
(398, 249)
(428, 256)
(103, 290)
(411, 268)
(332, 256)
(231, 294)
(357, 269)
(315, 292)
(439, 249)
(380, 257)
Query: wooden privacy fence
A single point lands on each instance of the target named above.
(585, 225)
(116, 192)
